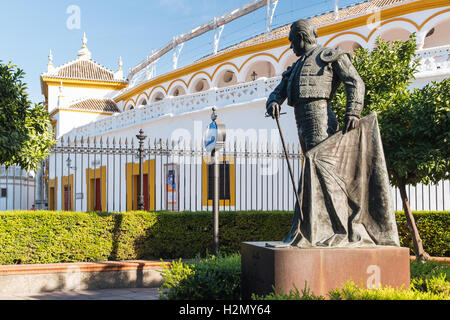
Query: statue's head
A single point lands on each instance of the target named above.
(303, 36)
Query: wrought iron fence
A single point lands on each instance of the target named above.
(103, 174)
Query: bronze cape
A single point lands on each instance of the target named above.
(345, 193)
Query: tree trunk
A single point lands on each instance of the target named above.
(417, 241)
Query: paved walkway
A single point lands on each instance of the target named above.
(104, 294)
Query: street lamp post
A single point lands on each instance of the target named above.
(214, 142)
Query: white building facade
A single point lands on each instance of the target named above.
(89, 101)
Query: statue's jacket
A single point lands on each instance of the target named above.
(317, 75)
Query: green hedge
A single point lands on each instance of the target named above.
(434, 230)
(212, 278)
(51, 237)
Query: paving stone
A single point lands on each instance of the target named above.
(105, 294)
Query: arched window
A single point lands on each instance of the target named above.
(178, 91)
(226, 78)
(201, 85)
(142, 102)
(290, 60)
(438, 36)
(260, 69)
(158, 97)
(349, 46)
(395, 34)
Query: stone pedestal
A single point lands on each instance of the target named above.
(323, 269)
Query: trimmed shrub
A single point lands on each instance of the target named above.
(434, 230)
(52, 237)
(304, 294)
(351, 291)
(216, 278)
(429, 269)
(431, 277)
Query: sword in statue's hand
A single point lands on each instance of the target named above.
(276, 117)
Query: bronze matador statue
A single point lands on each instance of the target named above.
(344, 188)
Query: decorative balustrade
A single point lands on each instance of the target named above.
(434, 60)
(218, 97)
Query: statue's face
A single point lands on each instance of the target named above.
(297, 43)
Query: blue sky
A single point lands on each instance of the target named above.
(131, 29)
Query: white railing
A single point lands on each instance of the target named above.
(218, 97)
(434, 60)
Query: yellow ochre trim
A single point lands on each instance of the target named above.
(54, 112)
(194, 75)
(232, 200)
(67, 181)
(198, 66)
(143, 93)
(210, 77)
(433, 16)
(366, 39)
(53, 194)
(126, 103)
(180, 80)
(132, 172)
(139, 97)
(223, 64)
(385, 14)
(91, 176)
(77, 83)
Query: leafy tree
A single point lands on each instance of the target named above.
(25, 129)
(413, 125)
(387, 72)
(416, 142)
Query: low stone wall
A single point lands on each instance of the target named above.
(38, 278)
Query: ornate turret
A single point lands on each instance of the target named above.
(50, 66)
(118, 75)
(84, 53)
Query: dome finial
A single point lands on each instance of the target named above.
(50, 66)
(84, 40)
(120, 63)
(84, 52)
(50, 57)
(119, 73)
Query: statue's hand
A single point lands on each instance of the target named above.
(273, 109)
(350, 123)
